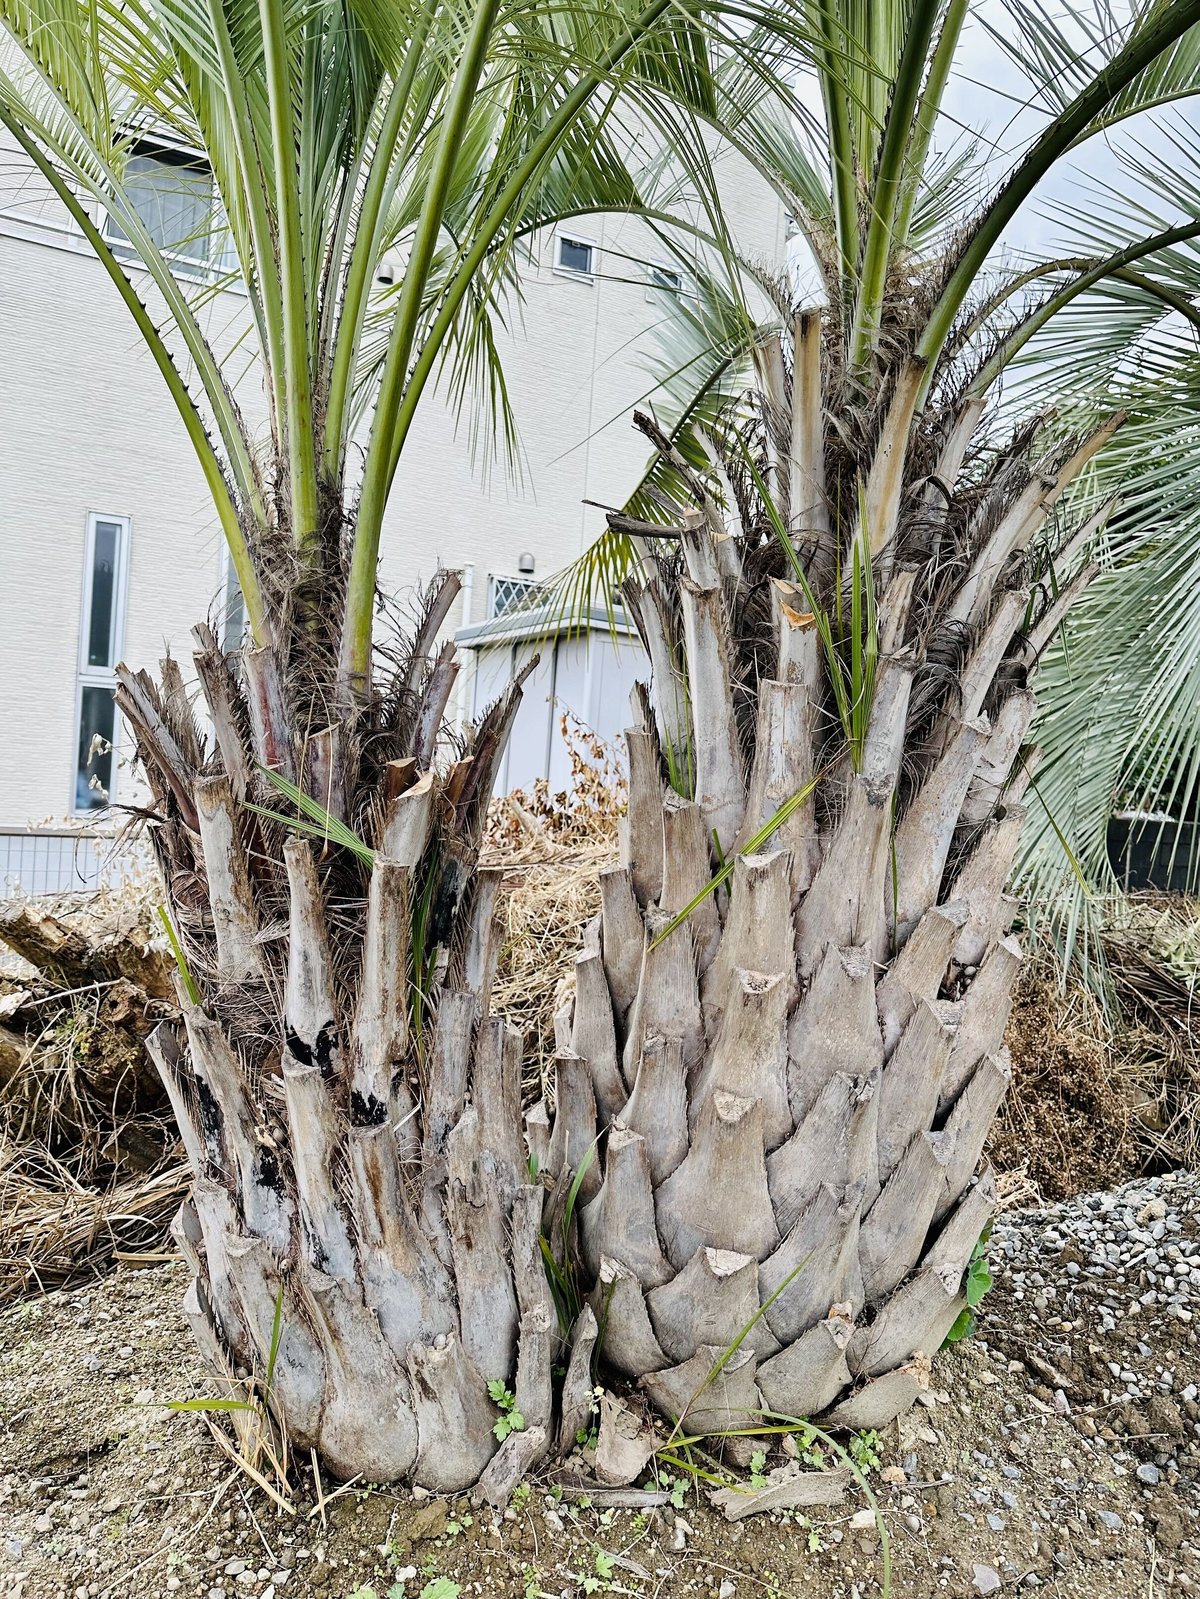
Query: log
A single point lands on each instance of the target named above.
(787, 1490)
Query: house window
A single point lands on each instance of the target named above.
(172, 193)
(576, 257)
(506, 593)
(101, 637)
(663, 278)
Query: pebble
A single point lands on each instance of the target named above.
(985, 1579)
(1149, 1474)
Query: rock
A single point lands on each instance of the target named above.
(985, 1579)
(1110, 1520)
(1148, 1474)
(726, 1590)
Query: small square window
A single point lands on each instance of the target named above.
(663, 280)
(575, 256)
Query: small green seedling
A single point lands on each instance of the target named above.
(864, 1451)
(510, 1418)
(977, 1281)
(758, 1469)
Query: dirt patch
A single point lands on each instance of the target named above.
(105, 1493)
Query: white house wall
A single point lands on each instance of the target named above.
(86, 427)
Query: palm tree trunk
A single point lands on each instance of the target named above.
(793, 1083)
(364, 1238)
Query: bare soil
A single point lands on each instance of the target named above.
(1027, 1467)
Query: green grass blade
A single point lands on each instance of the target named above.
(189, 982)
(764, 835)
(321, 824)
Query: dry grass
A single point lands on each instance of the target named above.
(1068, 1123)
(1154, 963)
(89, 1164)
(553, 847)
(57, 1229)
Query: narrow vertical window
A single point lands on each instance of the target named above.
(101, 638)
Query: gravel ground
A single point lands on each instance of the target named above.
(1057, 1451)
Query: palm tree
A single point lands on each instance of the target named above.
(362, 1226)
(782, 1092)
(786, 1036)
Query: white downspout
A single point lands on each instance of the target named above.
(466, 678)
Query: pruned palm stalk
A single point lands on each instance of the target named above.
(348, 1102)
(786, 1038)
